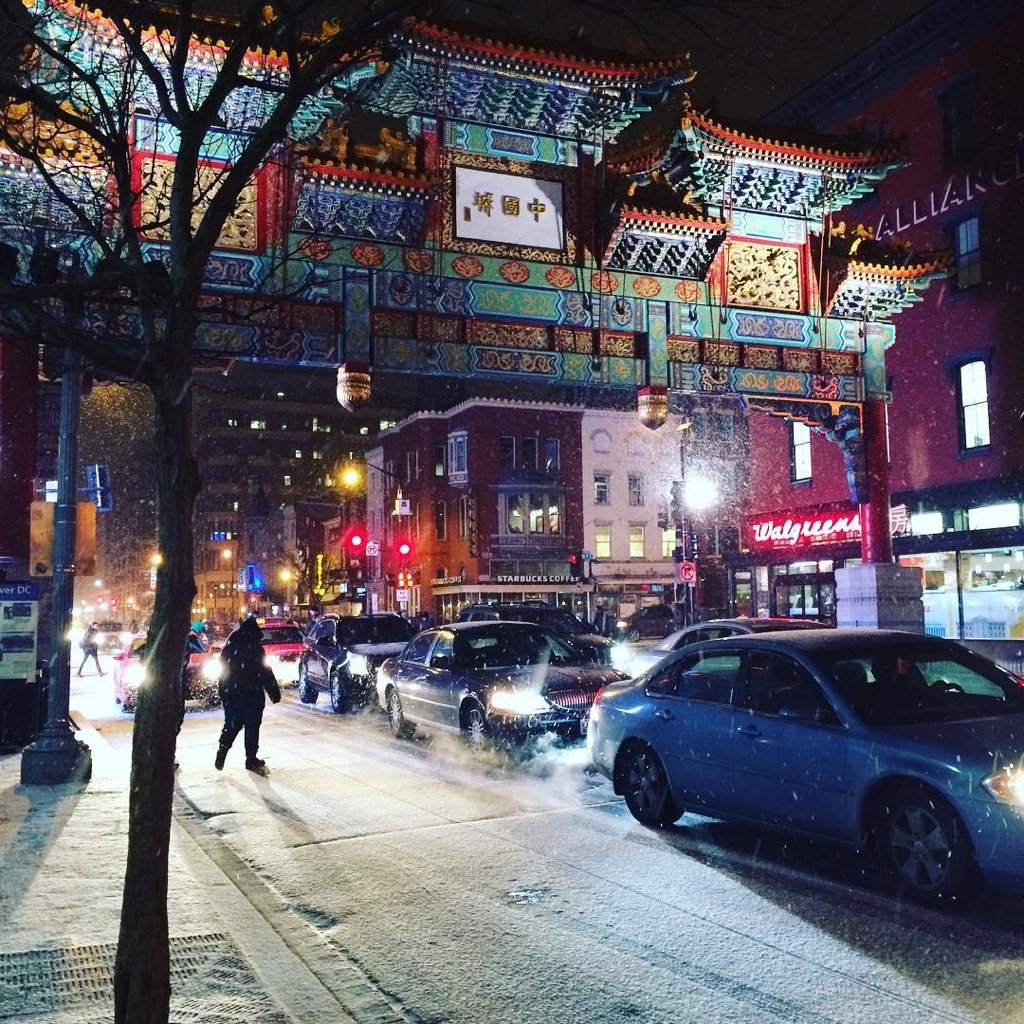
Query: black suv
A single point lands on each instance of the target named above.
(655, 620)
(596, 648)
(342, 653)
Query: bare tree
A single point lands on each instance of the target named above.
(79, 92)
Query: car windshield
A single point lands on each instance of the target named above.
(390, 629)
(905, 685)
(508, 646)
(282, 635)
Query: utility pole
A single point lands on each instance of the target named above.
(56, 756)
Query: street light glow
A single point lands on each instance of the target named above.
(351, 477)
(700, 493)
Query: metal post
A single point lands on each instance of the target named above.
(56, 755)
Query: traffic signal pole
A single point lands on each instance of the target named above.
(56, 755)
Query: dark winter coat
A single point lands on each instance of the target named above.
(245, 676)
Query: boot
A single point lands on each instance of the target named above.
(257, 765)
(218, 761)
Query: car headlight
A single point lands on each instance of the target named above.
(621, 657)
(135, 675)
(519, 702)
(358, 665)
(1007, 785)
(212, 669)
(621, 624)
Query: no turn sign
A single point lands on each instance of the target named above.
(687, 572)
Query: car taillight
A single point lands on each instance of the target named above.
(597, 696)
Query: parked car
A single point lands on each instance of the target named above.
(112, 636)
(906, 744)
(653, 620)
(282, 646)
(636, 658)
(202, 672)
(568, 626)
(506, 680)
(341, 656)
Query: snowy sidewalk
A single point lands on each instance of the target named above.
(233, 943)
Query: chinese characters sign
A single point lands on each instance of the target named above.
(508, 209)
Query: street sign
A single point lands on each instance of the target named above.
(372, 549)
(687, 572)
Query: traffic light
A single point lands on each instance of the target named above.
(97, 481)
(355, 570)
(576, 564)
(403, 548)
(694, 545)
(679, 553)
(403, 579)
(355, 540)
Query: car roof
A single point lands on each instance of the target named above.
(472, 627)
(364, 618)
(839, 641)
(765, 624)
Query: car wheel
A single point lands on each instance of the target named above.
(646, 789)
(307, 691)
(475, 729)
(923, 846)
(396, 718)
(339, 694)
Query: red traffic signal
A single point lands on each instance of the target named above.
(576, 564)
(355, 540)
(403, 548)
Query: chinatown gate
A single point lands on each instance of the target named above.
(482, 217)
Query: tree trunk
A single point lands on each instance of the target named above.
(142, 973)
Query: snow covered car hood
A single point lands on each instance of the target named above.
(379, 651)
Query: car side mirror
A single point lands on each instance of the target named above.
(442, 661)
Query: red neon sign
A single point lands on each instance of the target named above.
(783, 530)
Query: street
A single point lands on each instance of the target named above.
(448, 886)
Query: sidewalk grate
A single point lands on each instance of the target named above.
(211, 983)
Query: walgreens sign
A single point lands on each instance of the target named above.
(780, 530)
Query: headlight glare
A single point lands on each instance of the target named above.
(519, 702)
(1007, 785)
(135, 675)
(212, 669)
(358, 665)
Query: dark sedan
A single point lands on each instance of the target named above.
(597, 648)
(491, 679)
(342, 654)
(909, 744)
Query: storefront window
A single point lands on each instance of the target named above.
(993, 594)
(939, 592)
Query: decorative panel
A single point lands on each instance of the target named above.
(505, 335)
(720, 353)
(765, 276)
(612, 344)
(683, 350)
(799, 359)
(570, 339)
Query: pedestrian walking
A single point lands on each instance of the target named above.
(244, 685)
(91, 648)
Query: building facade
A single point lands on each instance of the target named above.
(950, 81)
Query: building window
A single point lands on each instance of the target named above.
(507, 454)
(232, 421)
(602, 489)
(551, 455)
(636, 540)
(965, 241)
(317, 456)
(668, 543)
(529, 453)
(515, 518)
(440, 519)
(298, 453)
(439, 460)
(534, 512)
(603, 540)
(457, 446)
(972, 399)
(958, 122)
(799, 452)
(287, 480)
(636, 490)
(464, 516)
(257, 424)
